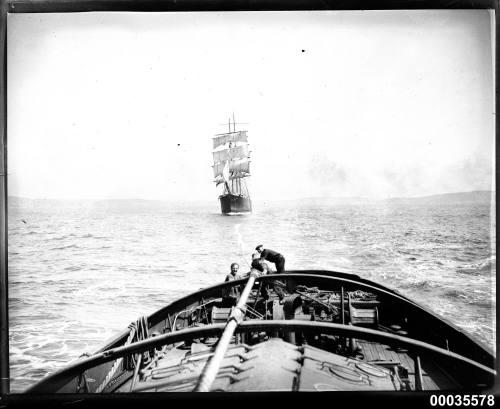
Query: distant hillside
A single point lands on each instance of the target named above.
(478, 196)
(113, 204)
(321, 201)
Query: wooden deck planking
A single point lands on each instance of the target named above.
(406, 360)
(393, 354)
(374, 352)
(384, 353)
(368, 351)
(380, 353)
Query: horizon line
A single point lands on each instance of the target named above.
(267, 200)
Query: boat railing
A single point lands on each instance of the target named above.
(61, 378)
(190, 310)
(348, 282)
(343, 282)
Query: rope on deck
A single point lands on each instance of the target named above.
(139, 330)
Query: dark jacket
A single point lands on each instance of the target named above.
(271, 255)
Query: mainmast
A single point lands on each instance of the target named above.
(234, 124)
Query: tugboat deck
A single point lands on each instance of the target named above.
(331, 332)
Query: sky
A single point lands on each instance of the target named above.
(375, 104)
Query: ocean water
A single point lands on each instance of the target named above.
(81, 272)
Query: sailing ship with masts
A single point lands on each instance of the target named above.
(231, 168)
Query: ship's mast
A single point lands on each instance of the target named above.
(231, 191)
(229, 124)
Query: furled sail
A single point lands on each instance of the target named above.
(222, 139)
(234, 152)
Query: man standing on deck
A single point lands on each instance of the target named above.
(230, 295)
(273, 257)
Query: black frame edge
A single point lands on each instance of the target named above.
(4, 305)
(68, 6)
(60, 6)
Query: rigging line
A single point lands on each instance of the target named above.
(253, 311)
(241, 245)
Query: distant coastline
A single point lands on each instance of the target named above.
(478, 197)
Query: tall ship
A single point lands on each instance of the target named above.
(231, 168)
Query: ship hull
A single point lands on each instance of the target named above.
(235, 204)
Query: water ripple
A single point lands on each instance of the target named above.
(79, 276)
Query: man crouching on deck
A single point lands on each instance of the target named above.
(279, 262)
(273, 257)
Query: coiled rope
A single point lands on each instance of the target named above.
(138, 332)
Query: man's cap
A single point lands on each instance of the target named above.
(260, 245)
